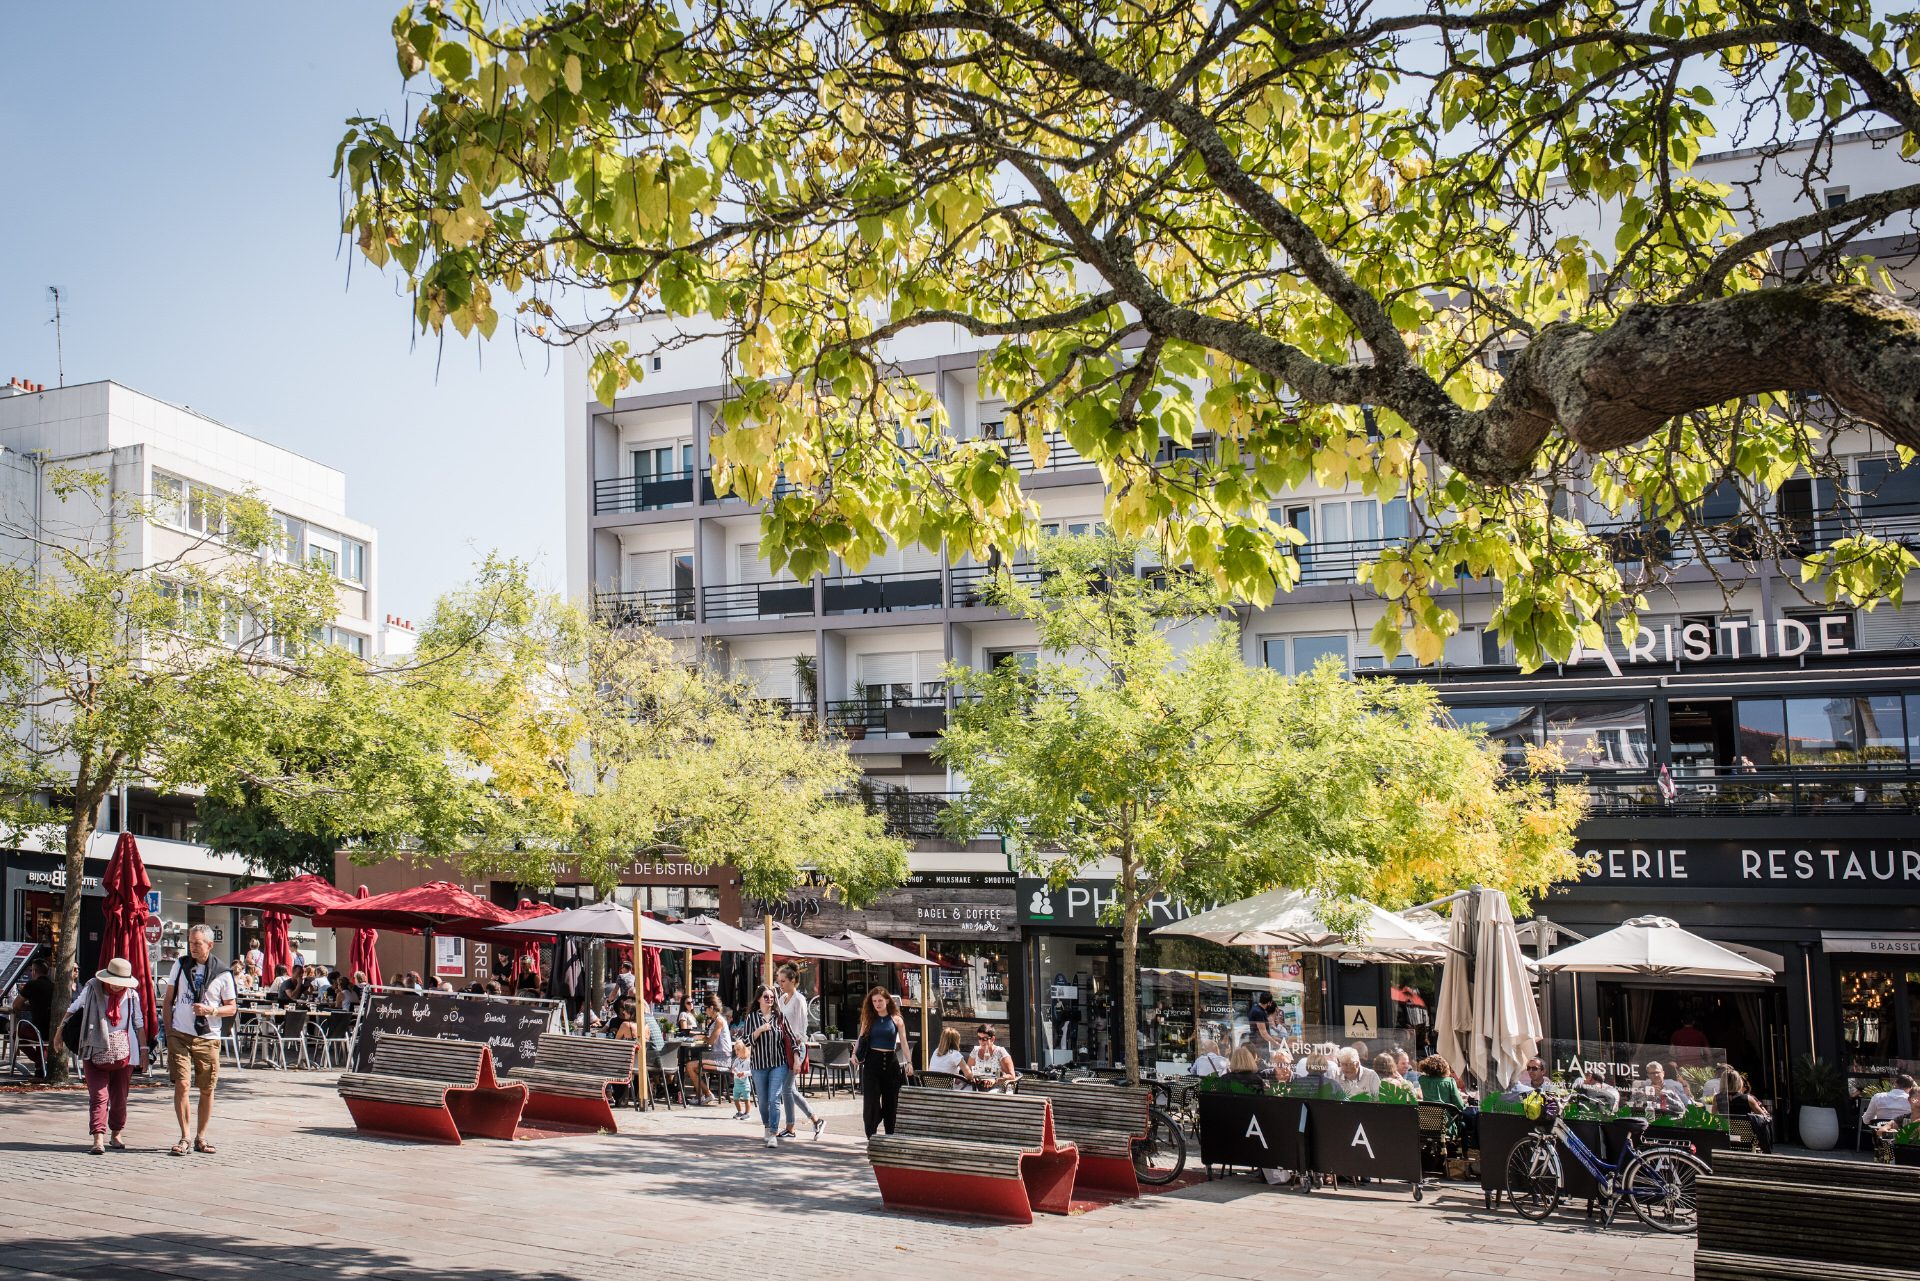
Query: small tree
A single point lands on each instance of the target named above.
(666, 756)
(1199, 777)
(196, 671)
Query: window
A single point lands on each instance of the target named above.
(1515, 728)
(287, 539)
(1835, 196)
(352, 642)
(1296, 655)
(656, 364)
(1887, 488)
(353, 560)
(1883, 728)
(170, 500)
(1600, 736)
(1761, 733)
(1379, 663)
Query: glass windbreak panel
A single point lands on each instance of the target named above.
(1821, 731)
(1883, 732)
(1515, 728)
(1600, 736)
(1654, 1080)
(1761, 737)
(1309, 650)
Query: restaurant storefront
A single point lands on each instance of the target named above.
(1786, 826)
(1187, 990)
(971, 930)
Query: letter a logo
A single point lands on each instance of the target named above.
(1360, 1141)
(1254, 1131)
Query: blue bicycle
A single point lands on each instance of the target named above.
(1659, 1183)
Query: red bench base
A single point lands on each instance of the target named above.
(483, 1112)
(1045, 1184)
(584, 1114)
(1108, 1174)
(404, 1120)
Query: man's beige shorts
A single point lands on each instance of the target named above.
(202, 1051)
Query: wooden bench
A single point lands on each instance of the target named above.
(1102, 1121)
(989, 1156)
(567, 1084)
(429, 1089)
(1764, 1218)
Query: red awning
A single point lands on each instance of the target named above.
(302, 896)
(440, 906)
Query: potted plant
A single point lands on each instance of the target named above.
(1818, 1092)
(808, 679)
(1906, 1144)
(853, 721)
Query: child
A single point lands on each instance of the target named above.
(742, 1080)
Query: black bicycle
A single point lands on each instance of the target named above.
(1160, 1156)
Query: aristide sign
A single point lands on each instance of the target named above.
(1736, 637)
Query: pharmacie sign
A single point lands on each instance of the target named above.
(1797, 864)
(1736, 638)
(1086, 903)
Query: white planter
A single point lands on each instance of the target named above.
(1819, 1128)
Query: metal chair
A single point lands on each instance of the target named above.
(835, 1065)
(664, 1064)
(336, 1038)
(23, 1038)
(291, 1038)
(256, 1038)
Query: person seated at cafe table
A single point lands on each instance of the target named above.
(1734, 1099)
(1210, 1062)
(1244, 1074)
(950, 1059)
(1354, 1076)
(1888, 1105)
(1403, 1066)
(1533, 1080)
(716, 1053)
(1315, 1073)
(1388, 1069)
(1594, 1088)
(1660, 1095)
(989, 1067)
(1436, 1084)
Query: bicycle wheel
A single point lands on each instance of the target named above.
(1662, 1186)
(1159, 1158)
(1533, 1177)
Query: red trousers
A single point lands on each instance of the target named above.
(107, 1096)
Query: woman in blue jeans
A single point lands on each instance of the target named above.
(766, 1032)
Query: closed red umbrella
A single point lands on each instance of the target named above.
(125, 932)
(654, 988)
(526, 949)
(276, 950)
(363, 957)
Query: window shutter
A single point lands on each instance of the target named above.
(649, 571)
(771, 677)
(753, 569)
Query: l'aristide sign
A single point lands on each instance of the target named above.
(1738, 638)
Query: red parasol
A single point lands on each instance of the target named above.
(438, 907)
(363, 957)
(125, 934)
(276, 951)
(654, 985)
(302, 896)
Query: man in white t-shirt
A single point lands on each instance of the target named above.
(1210, 1062)
(1888, 1105)
(793, 1008)
(199, 996)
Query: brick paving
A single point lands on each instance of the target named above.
(295, 1193)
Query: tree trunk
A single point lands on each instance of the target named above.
(1130, 968)
(79, 832)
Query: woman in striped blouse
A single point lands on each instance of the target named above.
(766, 1032)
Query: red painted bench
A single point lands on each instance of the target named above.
(428, 1089)
(990, 1156)
(1102, 1121)
(567, 1084)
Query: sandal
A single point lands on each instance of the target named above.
(201, 1145)
(96, 1149)
(116, 1145)
(179, 1149)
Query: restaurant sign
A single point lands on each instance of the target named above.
(1757, 865)
(1726, 638)
(511, 1026)
(951, 906)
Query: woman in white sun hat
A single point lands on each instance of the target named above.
(112, 1030)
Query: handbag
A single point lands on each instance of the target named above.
(70, 1031)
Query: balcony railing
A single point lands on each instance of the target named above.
(911, 815)
(1794, 790)
(880, 593)
(644, 608)
(643, 493)
(759, 600)
(917, 715)
(1060, 455)
(970, 581)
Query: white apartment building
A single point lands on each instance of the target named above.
(174, 458)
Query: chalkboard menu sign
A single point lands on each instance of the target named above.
(511, 1025)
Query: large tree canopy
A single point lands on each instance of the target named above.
(1306, 227)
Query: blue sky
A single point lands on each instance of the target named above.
(167, 165)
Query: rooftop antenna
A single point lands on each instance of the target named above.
(59, 347)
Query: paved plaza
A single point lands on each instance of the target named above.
(294, 1192)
